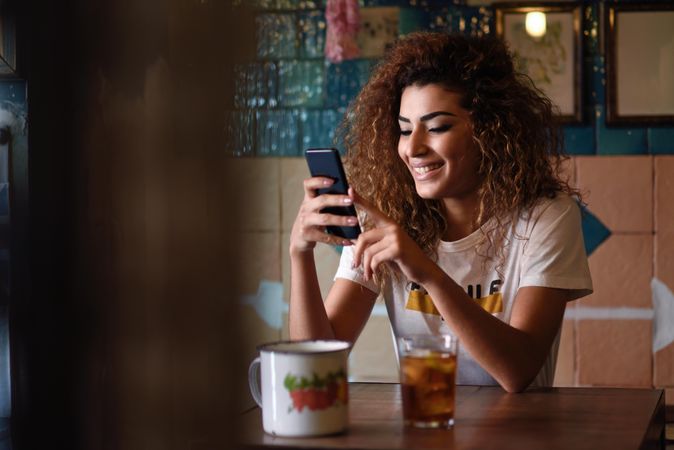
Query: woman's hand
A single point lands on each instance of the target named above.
(387, 242)
(310, 224)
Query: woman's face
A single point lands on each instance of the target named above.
(436, 142)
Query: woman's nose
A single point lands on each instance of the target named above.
(416, 144)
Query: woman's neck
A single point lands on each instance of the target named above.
(460, 215)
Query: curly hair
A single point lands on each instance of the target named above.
(514, 127)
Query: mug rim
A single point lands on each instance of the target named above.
(266, 346)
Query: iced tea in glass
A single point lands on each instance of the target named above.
(428, 380)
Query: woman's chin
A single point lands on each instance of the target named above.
(427, 194)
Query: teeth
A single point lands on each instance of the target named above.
(426, 169)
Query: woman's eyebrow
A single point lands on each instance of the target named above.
(428, 116)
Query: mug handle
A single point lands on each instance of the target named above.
(253, 376)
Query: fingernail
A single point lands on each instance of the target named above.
(348, 201)
(327, 182)
(352, 221)
(346, 242)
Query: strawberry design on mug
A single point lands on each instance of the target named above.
(316, 393)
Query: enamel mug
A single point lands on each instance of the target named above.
(302, 387)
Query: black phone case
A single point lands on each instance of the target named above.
(325, 162)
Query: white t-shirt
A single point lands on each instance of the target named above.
(545, 248)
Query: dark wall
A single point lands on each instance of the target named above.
(123, 327)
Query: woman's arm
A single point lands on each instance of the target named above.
(344, 314)
(512, 353)
(348, 305)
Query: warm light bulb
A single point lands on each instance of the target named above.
(535, 24)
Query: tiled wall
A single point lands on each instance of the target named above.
(289, 99)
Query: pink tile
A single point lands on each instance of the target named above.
(566, 357)
(619, 190)
(664, 257)
(614, 353)
(664, 193)
(663, 367)
(260, 261)
(622, 268)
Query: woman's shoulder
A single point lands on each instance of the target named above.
(549, 210)
(558, 204)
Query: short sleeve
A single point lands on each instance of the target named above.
(554, 255)
(356, 275)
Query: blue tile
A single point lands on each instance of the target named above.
(594, 232)
(256, 85)
(287, 4)
(276, 36)
(368, 3)
(310, 4)
(13, 91)
(579, 140)
(277, 133)
(318, 127)
(411, 20)
(278, 4)
(439, 3)
(345, 80)
(469, 20)
(271, 88)
(312, 34)
(438, 19)
(301, 83)
(618, 141)
(661, 141)
(439, 16)
(249, 90)
(239, 133)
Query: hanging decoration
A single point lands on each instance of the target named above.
(343, 18)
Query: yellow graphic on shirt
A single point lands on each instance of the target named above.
(491, 303)
(420, 301)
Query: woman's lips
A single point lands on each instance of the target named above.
(426, 171)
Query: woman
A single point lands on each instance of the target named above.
(469, 228)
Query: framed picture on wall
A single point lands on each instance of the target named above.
(545, 41)
(640, 64)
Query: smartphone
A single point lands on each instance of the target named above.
(325, 162)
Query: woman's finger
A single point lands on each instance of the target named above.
(373, 256)
(311, 185)
(364, 241)
(322, 220)
(381, 255)
(315, 234)
(326, 200)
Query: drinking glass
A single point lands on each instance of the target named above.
(428, 379)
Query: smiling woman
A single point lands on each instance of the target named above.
(469, 228)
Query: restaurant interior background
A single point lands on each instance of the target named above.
(154, 170)
(290, 98)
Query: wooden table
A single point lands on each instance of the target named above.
(489, 418)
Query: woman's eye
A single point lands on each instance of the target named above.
(405, 132)
(440, 129)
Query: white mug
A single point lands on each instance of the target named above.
(304, 387)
